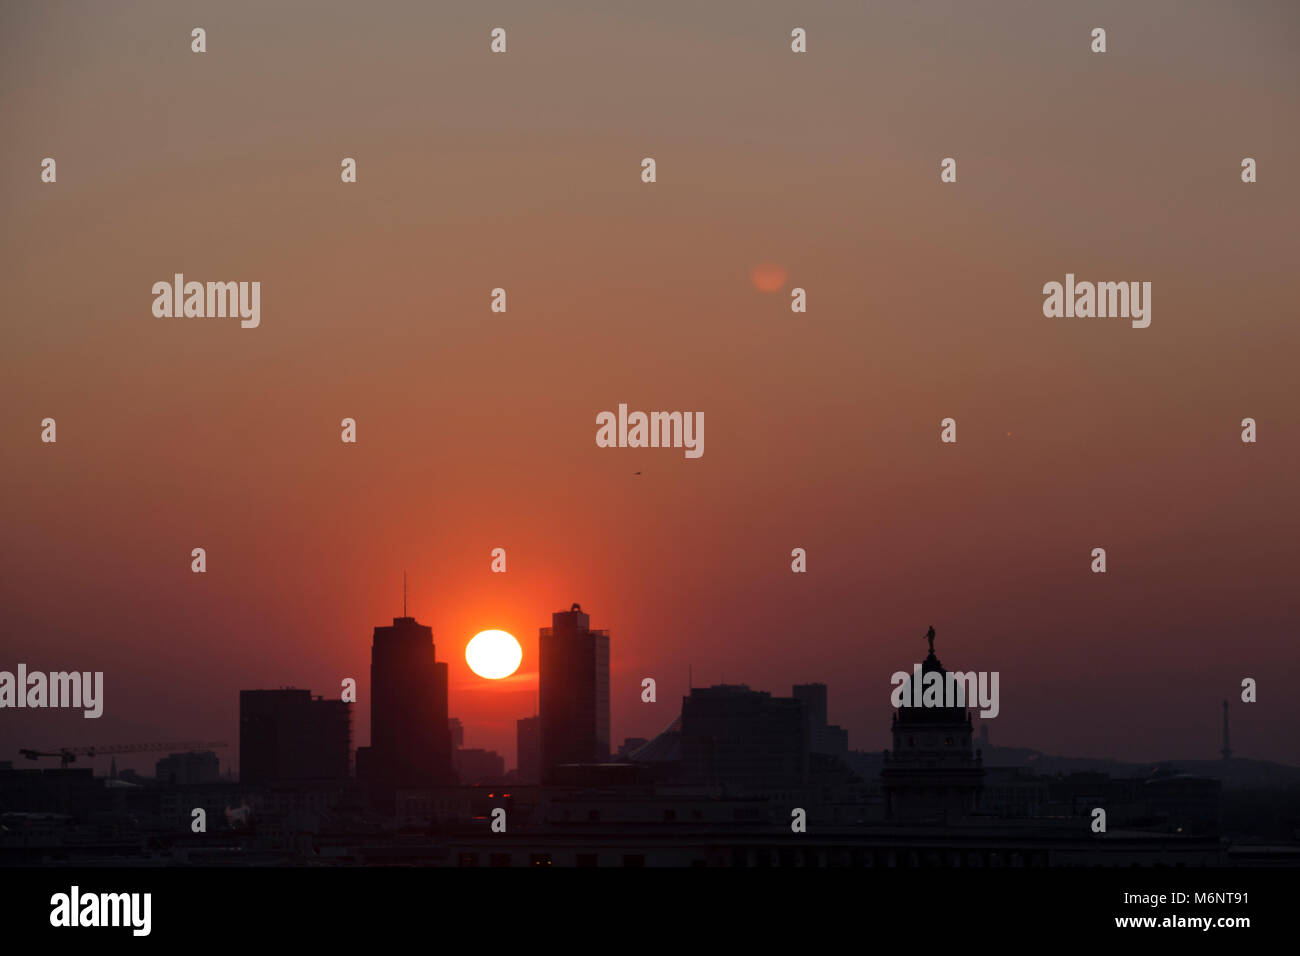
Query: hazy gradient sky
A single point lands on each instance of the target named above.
(476, 430)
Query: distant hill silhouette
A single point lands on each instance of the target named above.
(1235, 773)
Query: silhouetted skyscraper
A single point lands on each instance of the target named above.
(287, 735)
(574, 691)
(528, 745)
(410, 738)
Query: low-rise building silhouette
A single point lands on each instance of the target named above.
(739, 740)
(187, 768)
(287, 735)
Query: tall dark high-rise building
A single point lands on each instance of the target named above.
(288, 736)
(574, 691)
(528, 746)
(410, 738)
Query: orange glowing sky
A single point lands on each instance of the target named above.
(476, 430)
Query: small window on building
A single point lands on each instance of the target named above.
(539, 859)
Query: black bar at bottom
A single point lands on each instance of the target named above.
(326, 905)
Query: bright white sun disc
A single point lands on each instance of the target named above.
(493, 654)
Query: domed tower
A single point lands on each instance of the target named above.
(932, 772)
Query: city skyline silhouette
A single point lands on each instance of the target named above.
(713, 788)
(358, 523)
(512, 694)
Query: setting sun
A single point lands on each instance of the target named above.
(493, 654)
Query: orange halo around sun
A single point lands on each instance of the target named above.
(493, 654)
(767, 277)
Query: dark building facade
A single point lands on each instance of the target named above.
(824, 738)
(528, 746)
(189, 768)
(744, 741)
(574, 691)
(477, 766)
(814, 698)
(410, 737)
(287, 735)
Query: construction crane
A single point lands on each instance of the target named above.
(69, 755)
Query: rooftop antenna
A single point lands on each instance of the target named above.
(403, 593)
